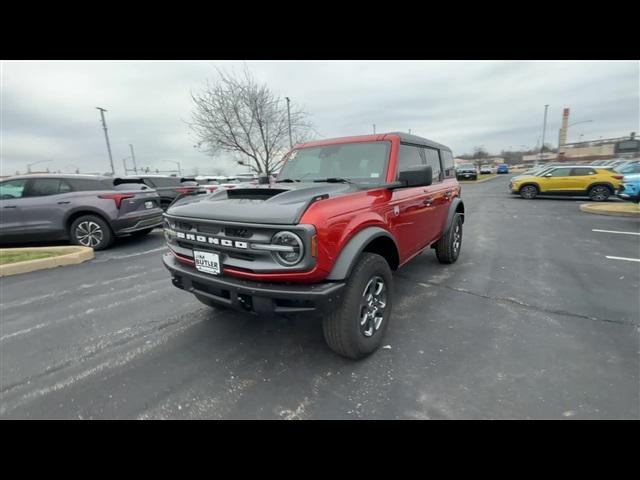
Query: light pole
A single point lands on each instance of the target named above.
(133, 157)
(544, 131)
(106, 136)
(289, 118)
(34, 163)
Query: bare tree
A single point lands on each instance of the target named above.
(237, 114)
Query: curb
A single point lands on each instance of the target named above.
(471, 182)
(626, 210)
(72, 256)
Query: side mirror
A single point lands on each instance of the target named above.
(548, 175)
(421, 176)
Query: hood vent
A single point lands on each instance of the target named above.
(254, 193)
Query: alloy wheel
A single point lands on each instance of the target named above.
(89, 234)
(372, 306)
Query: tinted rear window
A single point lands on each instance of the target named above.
(164, 182)
(89, 184)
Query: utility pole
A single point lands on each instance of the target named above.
(289, 118)
(544, 131)
(133, 157)
(106, 136)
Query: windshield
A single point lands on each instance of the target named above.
(364, 163)
(466, 166)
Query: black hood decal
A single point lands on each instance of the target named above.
(281, 203)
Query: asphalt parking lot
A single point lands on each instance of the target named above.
(537, 319)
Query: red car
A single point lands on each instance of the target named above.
(342, 215)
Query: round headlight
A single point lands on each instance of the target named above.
(295, 251)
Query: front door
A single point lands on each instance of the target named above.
(557, 180)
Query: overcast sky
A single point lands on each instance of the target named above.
(48, 108)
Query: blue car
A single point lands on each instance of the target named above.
(630, 188)
(503, 168)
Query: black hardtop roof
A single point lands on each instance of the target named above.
(408, 138)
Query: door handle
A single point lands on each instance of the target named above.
(64, 203)
(447, 194)
(10, 206)
(427, 201)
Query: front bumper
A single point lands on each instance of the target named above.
(254, 297)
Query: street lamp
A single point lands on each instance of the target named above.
(34, 163)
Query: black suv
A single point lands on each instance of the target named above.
(169, 188)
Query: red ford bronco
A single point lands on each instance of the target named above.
(325, 236)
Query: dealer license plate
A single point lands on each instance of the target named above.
(207, 262)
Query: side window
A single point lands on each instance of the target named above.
(12, 189)
(87, 185)
(41, 187)
(433, 160)
(408, 157)
(582, 172)
(64, 187)
(561, 172)
(447, 164)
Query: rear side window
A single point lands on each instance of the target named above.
(581, 172)
(409, 157)
(89, 185)
(433, 160)
(41, 187)
(447, 164)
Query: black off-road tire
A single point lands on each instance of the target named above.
(599, 193)
(529, 192)
(449, 245)
(342, 326)
(210, 303)
(91, 231)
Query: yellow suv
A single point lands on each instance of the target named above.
(596, 183)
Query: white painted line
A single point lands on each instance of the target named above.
(623, 258)
(614, 231)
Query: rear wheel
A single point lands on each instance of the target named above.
(210, 303)
(529, 192)
(355, 328)
(91, 231)
(599, 193)
(448, 247)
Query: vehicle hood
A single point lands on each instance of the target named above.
(278, 203)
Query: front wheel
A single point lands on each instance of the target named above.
(529, 192)
(599, 193)
(448, 247)
(356, 327)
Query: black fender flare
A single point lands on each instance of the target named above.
(604, 184)
(453, 209)
(352, 250)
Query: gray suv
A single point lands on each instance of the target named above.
(88, 210)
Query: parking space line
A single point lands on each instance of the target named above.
(614, 231)
(624, 258)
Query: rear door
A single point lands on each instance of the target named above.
(581, 178)
(439, 194)
(45, 202)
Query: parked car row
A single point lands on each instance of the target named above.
(89, 210)
(468, 171)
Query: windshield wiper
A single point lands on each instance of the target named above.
(333, 180)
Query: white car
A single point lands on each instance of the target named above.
(485, 169)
